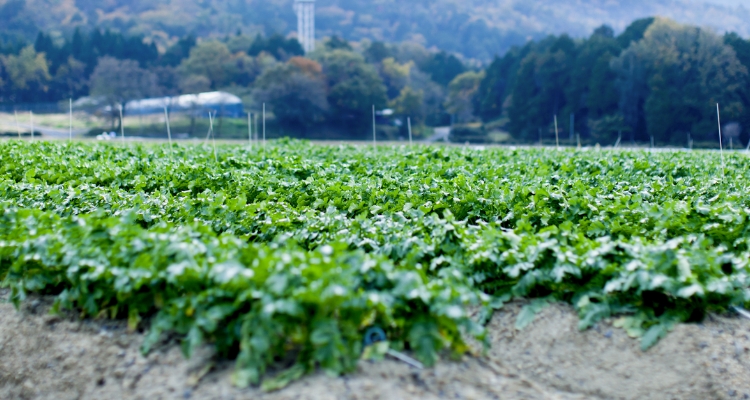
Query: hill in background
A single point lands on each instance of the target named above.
(477, 29)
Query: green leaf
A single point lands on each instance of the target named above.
(244, 377)
(654, 334)
(376, 351)
(529, 312)
(283, 379)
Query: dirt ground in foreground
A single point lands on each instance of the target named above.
(50, 357)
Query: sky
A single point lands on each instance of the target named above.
(727, 2)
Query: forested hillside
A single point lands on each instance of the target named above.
(476, 28)
(657, 80)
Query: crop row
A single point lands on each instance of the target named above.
(267, 251)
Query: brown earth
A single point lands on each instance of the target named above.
(51, 357)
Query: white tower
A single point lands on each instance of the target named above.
(305, 23)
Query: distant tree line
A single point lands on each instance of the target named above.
(50, 70)
(333, 88)
(443, 24)
(658, 79)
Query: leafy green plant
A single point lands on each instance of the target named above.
(295, 251)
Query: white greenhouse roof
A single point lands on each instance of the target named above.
(156, 105)
(186, 101)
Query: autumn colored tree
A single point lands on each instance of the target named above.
(461, 92)
(27, 76)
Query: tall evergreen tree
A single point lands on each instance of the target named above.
(741, 48)
(495, 87)
(524, 103)
(444, 67)
(634, 32)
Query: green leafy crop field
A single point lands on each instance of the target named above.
(294, 251)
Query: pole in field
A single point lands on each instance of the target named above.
(18, 127)
(208, 134)
(264, 125)
(250, 129)
(619, 139)
(122, 126)
(31, 116)
(557, 134)
(408, 123)
(374, 132)
(212, 134)
(70, 121)
(169, 129)
(721, 145)
(572, 126)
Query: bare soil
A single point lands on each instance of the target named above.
(60, 357)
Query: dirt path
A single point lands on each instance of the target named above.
(47, 357)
